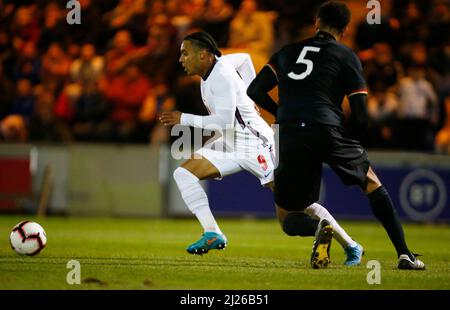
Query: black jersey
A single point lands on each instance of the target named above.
(314, 75)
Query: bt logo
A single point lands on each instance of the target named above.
(423, 194)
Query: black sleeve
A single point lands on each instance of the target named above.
(360, 115)
(353, 76)
(259, 88)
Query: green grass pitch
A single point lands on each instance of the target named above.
(150, 254)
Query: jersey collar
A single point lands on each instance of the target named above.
(205, 77)
(325, 35)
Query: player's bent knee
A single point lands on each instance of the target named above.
(288, 227)
(292, 225)
(182, 175)
(372, 182)
(372, 185)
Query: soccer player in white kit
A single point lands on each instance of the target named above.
(251, 147)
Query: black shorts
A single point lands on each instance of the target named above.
(302, 150)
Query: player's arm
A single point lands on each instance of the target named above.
(360, 113)
(224, 104)
(258, 90)
(242, 63)
(356, 91)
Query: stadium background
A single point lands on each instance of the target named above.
(79, 134)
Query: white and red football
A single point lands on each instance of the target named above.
(28, 238)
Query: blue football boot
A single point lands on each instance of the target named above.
(208, 241)
(354, 255)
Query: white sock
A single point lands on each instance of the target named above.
(316, 211)
(195, 198)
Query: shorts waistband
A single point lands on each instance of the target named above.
(306, 125)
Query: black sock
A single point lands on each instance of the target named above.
(300, 224)
(384, 210)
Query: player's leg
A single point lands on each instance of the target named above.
(296, 223)
(260, 163)
(385, 212)
(353, 250)
(187, 177)
(326, 145)
(297, 185)
(304, 223)
(210, 164)
(349, 160)
(318, 212)
(206, 163)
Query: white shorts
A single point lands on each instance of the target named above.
(258, 159)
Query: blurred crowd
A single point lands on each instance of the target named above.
(108, 78)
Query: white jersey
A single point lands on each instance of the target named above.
(224, 93)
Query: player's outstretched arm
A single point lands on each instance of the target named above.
(223, 104)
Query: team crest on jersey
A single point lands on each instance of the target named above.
(262, 162)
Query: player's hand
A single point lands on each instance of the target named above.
(170, 118)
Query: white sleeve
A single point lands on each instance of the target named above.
(242, 63)
(224, 103)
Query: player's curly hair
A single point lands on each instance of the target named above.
(204, 40)
(334, 14)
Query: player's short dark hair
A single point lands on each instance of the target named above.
(334, 14)
(203, 39)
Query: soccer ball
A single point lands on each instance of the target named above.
(27, 238)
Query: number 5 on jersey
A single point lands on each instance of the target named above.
(302, 60)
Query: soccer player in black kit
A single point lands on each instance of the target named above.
(313, 76)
